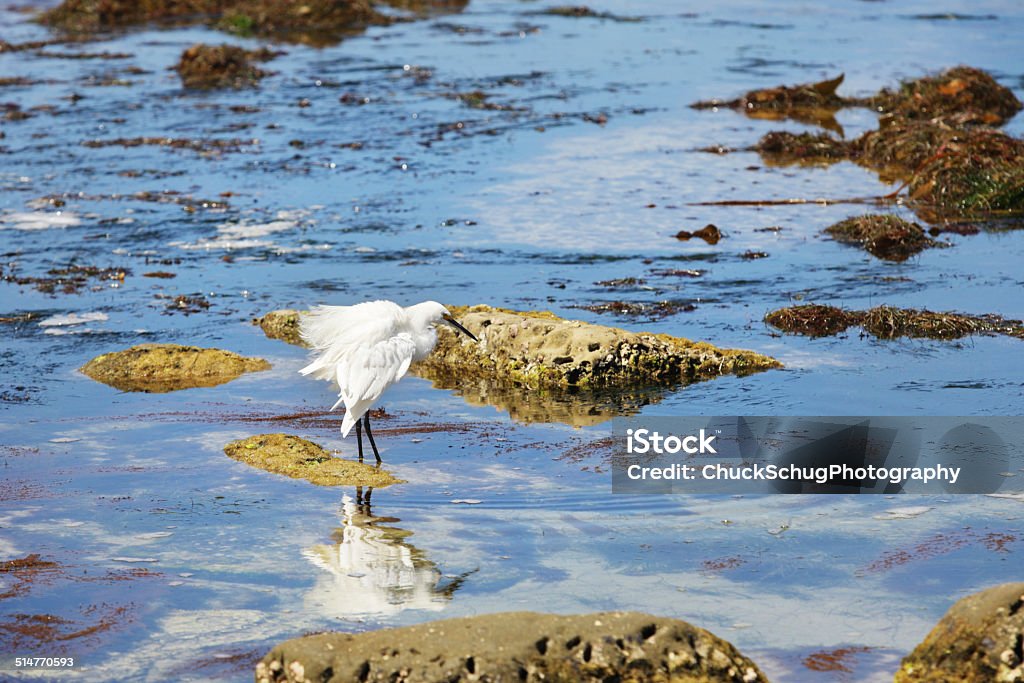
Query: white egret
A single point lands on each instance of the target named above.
(366, 348)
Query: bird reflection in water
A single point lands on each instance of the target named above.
(372, 569)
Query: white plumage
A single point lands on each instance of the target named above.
(368, 347)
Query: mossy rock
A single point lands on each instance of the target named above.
(628, 647)
(540, 350)
(281, 324)
(977, 641)
(298, 458)
(159, 368)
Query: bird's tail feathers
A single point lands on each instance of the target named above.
(353, 412)
(347, 424)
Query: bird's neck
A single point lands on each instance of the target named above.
(425, 342)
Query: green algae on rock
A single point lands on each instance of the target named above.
(298, 458)
(159, 368)
(220, 66)
(977, 641)
(540, 350)
(888, 322)
(885, 236)
(628, 647)
(281, 324)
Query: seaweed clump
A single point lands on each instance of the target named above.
(91, 16)
(809, 103)
(935, 137)
(220, 66)
(949, 171)
(783, 147)
(978, 172)
(959, 96)
(583, 12)
(317, 22)
(885, 236)
(888, 322)
(813, 320)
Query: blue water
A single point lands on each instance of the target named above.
(526, 207)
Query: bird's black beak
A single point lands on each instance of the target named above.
(455, 323)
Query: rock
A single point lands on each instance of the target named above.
(540, 350)
(300, 459)
(979, 640)
(628, 647)
(159, 368)
(220, 66)
(281, 324)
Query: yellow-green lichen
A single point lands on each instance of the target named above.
(298, 458)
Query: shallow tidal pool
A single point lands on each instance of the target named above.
(363, 170)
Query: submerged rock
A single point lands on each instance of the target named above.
(709, 233)
(887, 322)
(540, 350)
(220, 66)
(281, 324)
(516, 646)
(301, 459)
(885, 236)
(977, 641)
(159, 368)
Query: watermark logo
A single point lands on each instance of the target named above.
(888, 455)
(646, 441)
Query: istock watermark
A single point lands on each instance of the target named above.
(886, 455)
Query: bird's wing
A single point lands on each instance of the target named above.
(367, 371)
(335, 332)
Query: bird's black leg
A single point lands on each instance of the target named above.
(366, 419)
(359, 438)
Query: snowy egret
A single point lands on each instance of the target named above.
(366, 348)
